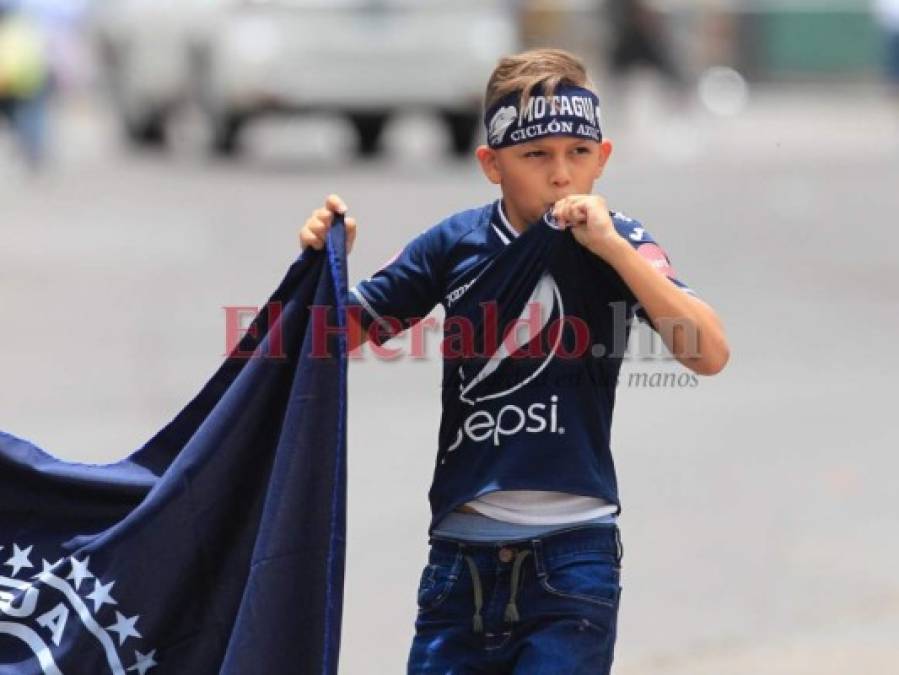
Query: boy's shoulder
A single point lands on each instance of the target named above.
(466, 220)
(449, 231)
(630, 228)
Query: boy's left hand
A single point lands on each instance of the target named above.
(590, 223)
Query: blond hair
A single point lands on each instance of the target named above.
(545, 69)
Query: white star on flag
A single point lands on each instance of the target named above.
(124, 627)
(79, 571)
(19, 559)
(100, 595)
(144, 662)
(47, 569)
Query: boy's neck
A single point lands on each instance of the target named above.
(517, 222)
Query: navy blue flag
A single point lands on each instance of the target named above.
(217, 547)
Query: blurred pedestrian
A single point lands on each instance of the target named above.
(24, 81)
(638, 41)
(887, 13)
(64, 29)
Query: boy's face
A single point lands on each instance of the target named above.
(535, 175)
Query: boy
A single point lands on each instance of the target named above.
(523, 570)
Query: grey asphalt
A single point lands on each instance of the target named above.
(760, 513)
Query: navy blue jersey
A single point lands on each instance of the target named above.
(534, 333)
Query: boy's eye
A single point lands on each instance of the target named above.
(582, 150)
(534, 153)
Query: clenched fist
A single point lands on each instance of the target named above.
(314, 232)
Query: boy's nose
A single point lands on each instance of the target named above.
(560, 176)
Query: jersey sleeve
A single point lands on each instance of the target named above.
(644, 243)
(403, 291)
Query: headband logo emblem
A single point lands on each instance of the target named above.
(501, 122)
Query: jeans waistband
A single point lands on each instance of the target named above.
(577, 539)
(475, 527)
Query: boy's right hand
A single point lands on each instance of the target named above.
(315, 231)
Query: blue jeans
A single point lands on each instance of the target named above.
(28, 119)
(546, 606)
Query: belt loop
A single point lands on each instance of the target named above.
(538, 557)
(619, 545)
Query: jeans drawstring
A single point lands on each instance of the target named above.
(477, 619)
(512, 615)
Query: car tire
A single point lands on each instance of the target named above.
(369, 128)
(146, 130)
(143, 127)
(225, 136)
(462, 128)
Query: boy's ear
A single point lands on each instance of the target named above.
(605, 151)
(487, 159)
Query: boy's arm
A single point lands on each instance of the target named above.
(402, 292)
(690, 328)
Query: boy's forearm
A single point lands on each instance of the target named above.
(688, 326)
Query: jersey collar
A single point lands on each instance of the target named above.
(502, 226)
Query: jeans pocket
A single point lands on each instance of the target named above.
(592, 578)
(437, 580)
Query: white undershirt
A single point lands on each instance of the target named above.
(540, 507)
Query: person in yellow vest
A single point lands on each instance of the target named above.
(24, 79)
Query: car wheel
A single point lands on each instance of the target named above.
(226, 130)
(146, 130)
(369, 127)
(462, 128)
(143, 126)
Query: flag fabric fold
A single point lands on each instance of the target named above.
(218, 546)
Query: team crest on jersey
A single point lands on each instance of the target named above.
(500, 123)
(63, 602)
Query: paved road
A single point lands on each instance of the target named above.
(759, 507)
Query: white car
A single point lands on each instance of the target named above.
(238, 59)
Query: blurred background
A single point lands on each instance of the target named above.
(157, 158)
